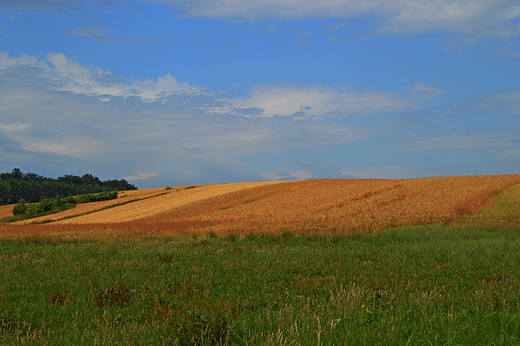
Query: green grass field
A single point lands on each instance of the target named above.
(418, 285)
(453, 284)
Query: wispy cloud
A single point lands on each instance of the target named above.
(36, 5)
(478, 18)
(79, 79)
(163, 125)
(99, 34)
(425, 92)
(14, 127)
(449, 141)
(270, 28)
(58, 112)
(378, 172)
(315, 101)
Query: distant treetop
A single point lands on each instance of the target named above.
(32, 187)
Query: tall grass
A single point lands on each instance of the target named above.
(425, 285)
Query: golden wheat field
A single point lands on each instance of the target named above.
(5, 210)
(337, 206)
(347, 205)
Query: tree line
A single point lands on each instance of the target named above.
(32, 187)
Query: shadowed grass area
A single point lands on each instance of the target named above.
(424, 285)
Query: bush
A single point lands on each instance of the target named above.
(20, 208)
(33, 210)
(56, 204)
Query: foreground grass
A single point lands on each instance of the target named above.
(425, 285)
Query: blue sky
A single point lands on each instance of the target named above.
(173, 92)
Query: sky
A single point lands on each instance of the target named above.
(176, 92)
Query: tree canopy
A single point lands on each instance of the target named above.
(32, 187)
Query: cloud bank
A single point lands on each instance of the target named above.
(472, 19)
(57, 110)
(479, 18)
(60, 116)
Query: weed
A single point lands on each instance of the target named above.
(195, 322)
(166, 258)
(59, 296)
(233, 237)
(117, 295)
(12, 326)
(8, 326)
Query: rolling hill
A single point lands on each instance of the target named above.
(335, 206)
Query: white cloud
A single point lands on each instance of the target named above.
(425, 92)
(386, 172)
(59, 113)
(458, 141)
(99, 34)
(72, 76)
(75, 118)
(286, 175)
(79, 79)
(49, 5)
(14, 127)
(88, 31)
(78, 146)
(314, 101)
(508, 100)
(142, 175)
(482, 18)
(24, 60)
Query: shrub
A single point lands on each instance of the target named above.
(20, 208)
(45, 204)
(33, 210)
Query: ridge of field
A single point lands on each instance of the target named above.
(90, 207)
(174, 198)
(349, 205)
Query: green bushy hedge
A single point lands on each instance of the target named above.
(57, 204)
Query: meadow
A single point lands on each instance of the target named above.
(207, 281)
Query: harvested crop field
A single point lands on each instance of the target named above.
(5, 210)
(348, 205)
(334, 206)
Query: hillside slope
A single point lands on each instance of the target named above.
(336, 206)
(346, 204)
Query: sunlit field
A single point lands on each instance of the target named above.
(431, 261)
(328, 207)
